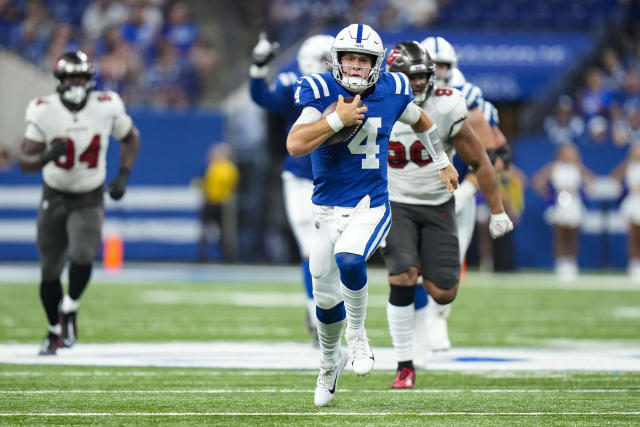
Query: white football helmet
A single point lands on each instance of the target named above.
(314, 55)
(441, 52)
(358, 38)
(457, 78)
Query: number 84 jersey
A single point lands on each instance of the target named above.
(85, 133)
(346, 172)
(413, 178)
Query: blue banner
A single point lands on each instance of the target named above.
(507, 66)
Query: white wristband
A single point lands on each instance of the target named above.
(256, 72)
(334, 121)
(430, 138)
(441, 161)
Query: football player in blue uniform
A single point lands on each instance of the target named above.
(314, 56)
(350, 197)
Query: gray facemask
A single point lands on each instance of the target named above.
(75, 94)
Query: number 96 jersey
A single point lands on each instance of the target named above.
(85, 133)
(413, 178)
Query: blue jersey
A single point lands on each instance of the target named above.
(346, 172)
(472, 95)
(490, 113)
(278, 98)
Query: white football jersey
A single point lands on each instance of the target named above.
(87, 132)
(413, 178)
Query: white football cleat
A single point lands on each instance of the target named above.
(361, 354)
(328, 381)
(436, 321)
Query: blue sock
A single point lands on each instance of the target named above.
(306, 276)
(353, 270)
(421, 298)
(332, 315)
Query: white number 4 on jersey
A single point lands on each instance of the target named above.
(370, 149)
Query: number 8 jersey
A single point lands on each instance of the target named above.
(346, 172)
(413, 178)
(86, 134)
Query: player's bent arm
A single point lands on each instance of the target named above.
(305, 138)
(267, 98)
(471, 151)
(311, 130)
(482, 128)
(31, 156)
(130, 148)
(498, 137)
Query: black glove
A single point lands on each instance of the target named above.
(491, 152)
(504, 152)
(56, 150)
(119, 184)
(264, 51)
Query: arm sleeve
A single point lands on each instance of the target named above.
(410, 115)
(308, 115)
(122, 123)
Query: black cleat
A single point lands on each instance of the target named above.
(69, 329)
(50, 345)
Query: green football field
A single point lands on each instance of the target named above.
(506, 311)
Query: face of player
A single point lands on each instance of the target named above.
(75, 89)
(418, 84)
(441, 71)
(356, 65)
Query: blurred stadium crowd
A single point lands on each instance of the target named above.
(605, 109)
(150, 52)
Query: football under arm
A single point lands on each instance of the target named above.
(308, 132)
(470, 149)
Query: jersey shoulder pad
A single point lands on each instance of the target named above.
(472, 94)
(40, 108)
(314, 89)
(395, 83)
(108, 99)
(450, 101)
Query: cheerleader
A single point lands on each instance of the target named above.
(560, 182)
